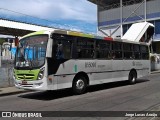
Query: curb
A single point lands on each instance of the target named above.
(12, 93)
(154, 72)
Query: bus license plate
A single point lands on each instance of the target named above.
(24, 82)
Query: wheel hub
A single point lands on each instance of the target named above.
(80, 84)
(133, 79)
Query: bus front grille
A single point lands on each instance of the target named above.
(25, 76)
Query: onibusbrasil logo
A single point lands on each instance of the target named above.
(21, 114)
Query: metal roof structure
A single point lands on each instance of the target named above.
(105, 2)
(15, 28)
(109, 4)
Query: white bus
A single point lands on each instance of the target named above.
(58, 59)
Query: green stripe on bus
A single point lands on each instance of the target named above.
(75, 68)
(35, 33)
(26, 74)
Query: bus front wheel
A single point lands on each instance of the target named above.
(79, 85)
(132, 77)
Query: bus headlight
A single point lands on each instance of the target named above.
(41, 74)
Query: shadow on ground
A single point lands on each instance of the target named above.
(51, 95)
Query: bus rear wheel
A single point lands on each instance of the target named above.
(132, 77)
(79, 85)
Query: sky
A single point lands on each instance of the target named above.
(79, 15)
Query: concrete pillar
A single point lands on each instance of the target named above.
(145, 11)
(0, 55)
(121, 14)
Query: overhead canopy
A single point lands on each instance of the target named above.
(137, 30)
(18, 28)
(13, 32)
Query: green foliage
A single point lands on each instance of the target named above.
(2, 40)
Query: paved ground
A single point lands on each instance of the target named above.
(10, 91)
(145, 95)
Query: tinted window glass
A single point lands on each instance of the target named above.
(62, 47)
(136, 48)
(117, 46)
(127, 47)
(117, 50)
(103, 49)
(145, 52)
(85, 48)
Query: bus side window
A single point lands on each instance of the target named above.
(136, 52)
(144, 52)
(113, 55)
(109, 55)
(79, 52)
(62, 46)
(59, 51)
(85, 48)
(103, 49)
(67, 45)
(117, 50)
(127, 51)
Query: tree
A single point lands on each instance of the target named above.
(2, 40)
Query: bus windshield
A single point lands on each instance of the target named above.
(31, 52)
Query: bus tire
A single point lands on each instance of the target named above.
(132, 77)
(79, 85)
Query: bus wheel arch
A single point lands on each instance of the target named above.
(132, 77)
(80, 83)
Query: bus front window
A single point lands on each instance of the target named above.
(31, 52)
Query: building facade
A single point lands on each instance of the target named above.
(116, 16)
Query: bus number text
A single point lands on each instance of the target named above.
(90, 64)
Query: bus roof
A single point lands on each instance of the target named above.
(80, 34)
(67, 32)
(36, 33)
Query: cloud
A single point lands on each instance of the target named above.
(54, 9)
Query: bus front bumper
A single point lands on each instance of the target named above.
(30, 85)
